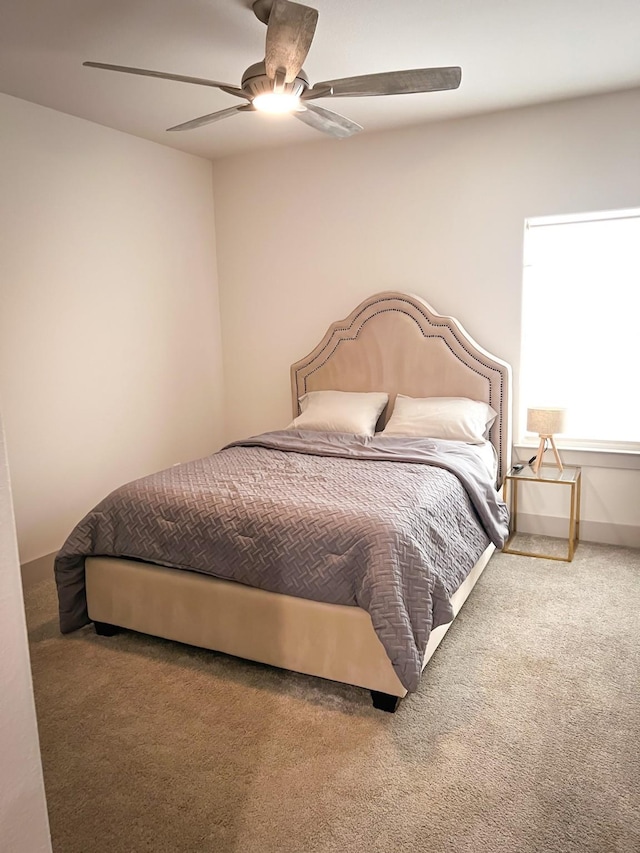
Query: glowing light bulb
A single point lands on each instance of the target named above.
(271, 102)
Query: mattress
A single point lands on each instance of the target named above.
(387, 524)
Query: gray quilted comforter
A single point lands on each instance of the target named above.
(393, 525)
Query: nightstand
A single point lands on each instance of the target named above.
(570, 477)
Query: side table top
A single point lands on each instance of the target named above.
(547, 474)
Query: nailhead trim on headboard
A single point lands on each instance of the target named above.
(490, 368)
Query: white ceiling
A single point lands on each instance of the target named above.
(512, 53)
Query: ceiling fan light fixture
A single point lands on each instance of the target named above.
(274, 102)
(279, 84)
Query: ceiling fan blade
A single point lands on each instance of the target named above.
(211, 117)
(199, 81)
(390, 83)
(289, 35)
(327, 121)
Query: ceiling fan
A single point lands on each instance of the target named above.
(279, 85)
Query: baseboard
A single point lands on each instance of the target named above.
(37, 570)
(605, 532)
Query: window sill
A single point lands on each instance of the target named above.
(588, 457)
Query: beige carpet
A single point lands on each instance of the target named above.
(523, 737)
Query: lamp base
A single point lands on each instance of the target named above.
(541, 448)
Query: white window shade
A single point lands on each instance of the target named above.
(581, 324)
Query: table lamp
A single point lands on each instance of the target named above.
(546, 422)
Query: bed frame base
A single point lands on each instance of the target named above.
(326, 640)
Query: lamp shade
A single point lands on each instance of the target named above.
(546, 421)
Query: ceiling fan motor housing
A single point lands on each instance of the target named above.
(255, 82)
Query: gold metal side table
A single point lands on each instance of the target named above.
(569, 476)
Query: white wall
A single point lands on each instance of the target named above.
(303, 234)
(24, 826)
(110, 363)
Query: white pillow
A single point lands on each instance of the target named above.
(453, 418)
(340, 411)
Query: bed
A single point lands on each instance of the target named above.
(392, 343)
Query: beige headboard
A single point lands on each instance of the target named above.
(395, 342)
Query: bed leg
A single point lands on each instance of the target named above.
(385, 702)
(103, 629)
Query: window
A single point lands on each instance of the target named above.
(581, 324)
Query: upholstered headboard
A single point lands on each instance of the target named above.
(395, 342)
